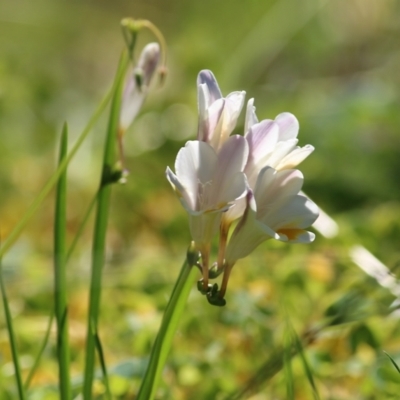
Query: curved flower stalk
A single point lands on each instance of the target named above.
(207, 184)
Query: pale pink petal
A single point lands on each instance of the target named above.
(231, 189)
(232, 108)
(187, 198)
(262, 139)
(272, 186)
(288, 126)
(203, 102)
(251, 117)
(294, 212)
(133, 96)
(195, 165)
(294, 158)
(235, 211)
(231, 160)
(282, 149)
(214, 118)
(248, 234)
(206, 77)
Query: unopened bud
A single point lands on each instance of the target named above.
(136, 87)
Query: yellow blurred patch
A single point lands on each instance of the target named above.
(320, 268)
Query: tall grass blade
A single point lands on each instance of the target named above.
(81, 227)
(100, 228)
(169, 324)
(30, 212)
(287, 356)
(306, 366)
(103, 366)
(393, 362)
(13, 344)
(60, 279)
(40, 353)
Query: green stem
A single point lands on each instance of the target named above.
(60, 281)
(40, 353)
(100, 228)
(13, 236)
(81, 227)
(169, 324)
(14, 352)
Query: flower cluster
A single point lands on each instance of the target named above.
(222, 179)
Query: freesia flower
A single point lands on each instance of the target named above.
(137, 86)
(272, 143)
(217, 115)
(276, 210)
(207, 184)
(221, 178)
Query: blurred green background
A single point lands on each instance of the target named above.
(334, 64)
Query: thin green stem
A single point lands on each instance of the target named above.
(13, 236)
(81, 227)
(60, 279)
(100, 228)
(13, 345)
(169, 324)
(41, 350)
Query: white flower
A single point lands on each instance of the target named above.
(271, 143)
(137, 86)
(276, 210)
(207, 184)
(217, 115)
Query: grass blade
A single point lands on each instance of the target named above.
(169, 324)
(100, 353)
(306, 366)
(100, 228)
(393, 362)
(13, 344)
(30, 212)
(287, 357)
(60, 280)
(39, 356)
(81, 227)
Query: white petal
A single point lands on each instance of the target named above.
(214, 118)
(296, 212)
(262, 139)
(133, 96)
(207, 77)
(288, 126)
(195, 165)
(248, 234)
(295, 157)
(282, 149)
(251, 117)
(235, 212)
(231, 190)
(227, 184)
(233, 106)
(274, 188)
(188, 199)
(202, 102)
(296, 236)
